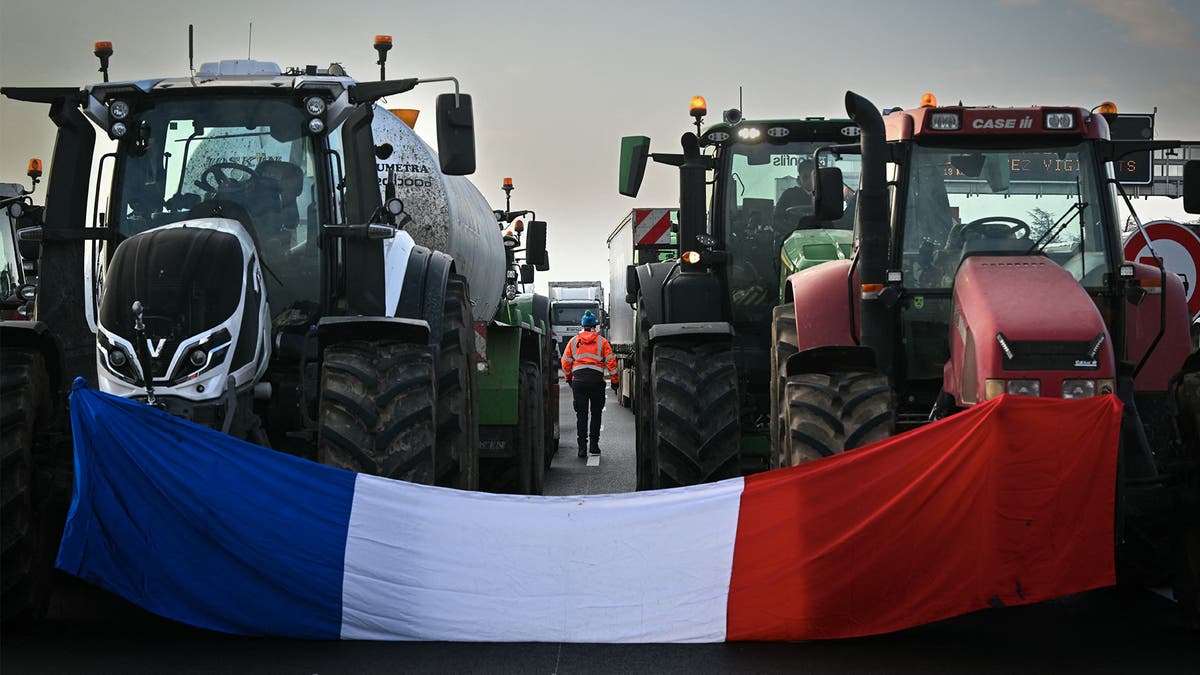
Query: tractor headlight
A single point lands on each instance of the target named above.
(944, 121)
(316, 125)
(314, 105)
(198, 357)
(995, 387)
(118, 109)
(1024, 387)
(1078, 388)
(1060, 120)
(1087, 388)
(115, 359)
(118, 130)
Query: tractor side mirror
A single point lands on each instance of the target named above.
(1134, 295)
(456, 134)
(631, 284)
(1191, 186)
(635, 150)
(535, 245)
(29, 242)
(527, 274)
(828, 201)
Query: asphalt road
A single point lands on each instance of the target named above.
(570, 475)
(90, 631)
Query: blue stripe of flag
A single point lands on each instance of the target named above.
(202, 528)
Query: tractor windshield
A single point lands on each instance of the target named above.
(244, 158)
(1040, 201)
(767, 196)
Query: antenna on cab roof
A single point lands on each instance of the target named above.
(191, 55)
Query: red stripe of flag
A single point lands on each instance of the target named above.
(1008, 503)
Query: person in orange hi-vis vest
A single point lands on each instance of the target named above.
(585, 362)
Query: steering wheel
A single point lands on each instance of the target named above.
(994, 227)
(221, 180)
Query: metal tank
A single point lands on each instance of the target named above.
(449, 213)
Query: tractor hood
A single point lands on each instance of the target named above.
(1025, 318)
(203, 309)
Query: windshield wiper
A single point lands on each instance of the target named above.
(1058, 226)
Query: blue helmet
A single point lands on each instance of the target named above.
(588, 319)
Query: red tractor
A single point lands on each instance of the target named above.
(988, 261)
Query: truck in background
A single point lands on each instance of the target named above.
(643, 236)
(568, 301)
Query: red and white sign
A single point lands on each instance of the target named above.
(481, 359)
(1179, 247)
(651, 226)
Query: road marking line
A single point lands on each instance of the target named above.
(593, 460)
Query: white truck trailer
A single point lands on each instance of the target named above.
(642, 235)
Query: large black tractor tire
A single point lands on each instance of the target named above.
(377, 410)
(783, 341)
(533, 430)
(27, 555)
(524, 473)
(457, 393)
(552, 393)
(646, 469)
(1185, 526)
(829, 414)
(694, 392)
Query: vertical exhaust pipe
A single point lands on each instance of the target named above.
(692, 217)
(871, 229)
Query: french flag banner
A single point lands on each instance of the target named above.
(1008, 503)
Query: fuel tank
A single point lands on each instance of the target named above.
(449, 213)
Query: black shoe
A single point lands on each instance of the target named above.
(595, 450)
(582, 449)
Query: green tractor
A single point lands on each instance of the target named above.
(706, 321)
(518, 363)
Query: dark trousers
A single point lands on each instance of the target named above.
(588, 395)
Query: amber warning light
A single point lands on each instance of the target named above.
(35, 168)
(928, 101)
(1107, 108)
(699, 107)
(102, 49)
(507, 183)
(383, 40)
(406, 115)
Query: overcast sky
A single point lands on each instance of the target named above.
(556, 84)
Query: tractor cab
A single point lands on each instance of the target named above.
(246, 156)
(762, 207)
(1006, 265)
(235, 211)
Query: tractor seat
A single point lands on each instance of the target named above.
(290, 180)
(1088, 267)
